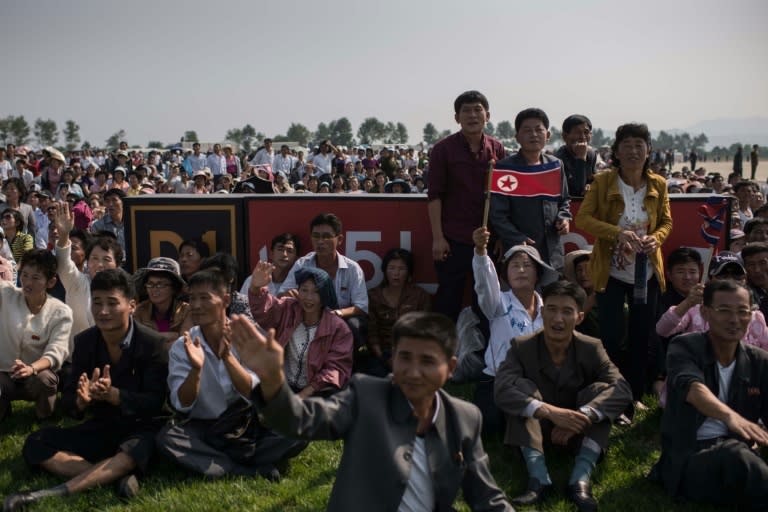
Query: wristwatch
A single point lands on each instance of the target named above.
(589, 413)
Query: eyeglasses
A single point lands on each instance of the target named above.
(156, 286)
(9, 216)
(323, 236)
(740, 312)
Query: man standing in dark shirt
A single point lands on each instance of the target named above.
(579, 159)
(755, 256)
(119, 372)
(457, 176)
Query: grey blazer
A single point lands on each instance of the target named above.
(376, 422)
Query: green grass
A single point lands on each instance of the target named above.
(619, 482)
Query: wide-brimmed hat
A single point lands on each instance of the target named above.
(201, 172)
(162, 266)
(548, 274)
(119, 168)
(57, 155)
(569, 269)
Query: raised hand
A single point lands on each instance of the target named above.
(195, 352)
(261, 275)
(480, 238)
(64, 220)
(262, 354)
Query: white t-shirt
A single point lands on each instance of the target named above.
(711, 427)
(634, 218)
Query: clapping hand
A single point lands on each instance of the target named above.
(195, 352)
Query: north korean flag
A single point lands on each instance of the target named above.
(538, 181)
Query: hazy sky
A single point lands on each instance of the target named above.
(158, 68)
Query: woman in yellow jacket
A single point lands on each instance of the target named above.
(627, 211)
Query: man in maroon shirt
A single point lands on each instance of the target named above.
(457, 175)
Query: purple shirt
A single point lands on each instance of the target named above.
(457, 177)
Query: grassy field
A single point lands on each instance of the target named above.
(619, 481)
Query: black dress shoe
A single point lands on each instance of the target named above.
(534, 495)
(17, 501)
(580, 493)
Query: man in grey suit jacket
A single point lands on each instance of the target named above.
(408, 444)
(559, 387)
(717, 392)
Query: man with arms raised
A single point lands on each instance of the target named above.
(717, 392)
(558, 387)
(409, 445)
(118, 377)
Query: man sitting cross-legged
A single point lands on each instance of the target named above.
(559, 387)
(212, 388)
(118, 376)
(408, 445)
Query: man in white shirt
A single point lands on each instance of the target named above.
(197, 160)
(283, 161)
(5, 166)
(217, 163)
(207, 382)
(265, 155)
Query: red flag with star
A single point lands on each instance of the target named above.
(542, 181)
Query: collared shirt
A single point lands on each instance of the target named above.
(419, 495)
(217, 392)
(126, 343)
(349, 281)
(509, 319)
(263, 156)
(197, 162)
(107, 224)
(41, 229)
(322, 163)
(217, 164)
(579, 173)
(283, 163)
(457, 177)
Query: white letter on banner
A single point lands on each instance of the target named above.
(353, 237)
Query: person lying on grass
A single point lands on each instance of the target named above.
(408, 444)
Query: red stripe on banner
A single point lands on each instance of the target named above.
(526, 184)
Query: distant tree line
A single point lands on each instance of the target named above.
(45, 132)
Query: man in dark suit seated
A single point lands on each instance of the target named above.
(408, 444)
(717, 391)
(559, 387)
(119, 369)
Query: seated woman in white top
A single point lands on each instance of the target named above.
(34, 330)
(511, 313)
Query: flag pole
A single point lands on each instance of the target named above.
(705, 262)
(487, 208)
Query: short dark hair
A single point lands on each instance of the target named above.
(210, 277)
(17, 216)
(224, 262)
(284, 238)
(44, 260)
(397, 254)
(753, 248)
(683, 255)
(114, 279)
(327, 219)
(427, 326)
(564, 288)
(741, 184)
(81, 234)
(639, 130)
(722, 285)
(531, 113)
(197, 244)
(575, 120)
(106, 243)
(19, 184)
(114, 192)
(754, 222)
(470, 97)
